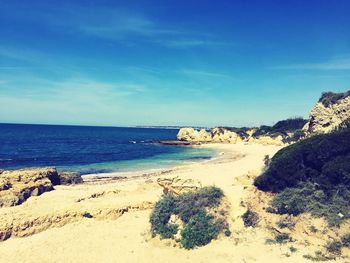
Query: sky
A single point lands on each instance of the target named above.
(162, 62)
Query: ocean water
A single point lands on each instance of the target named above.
(91, 150)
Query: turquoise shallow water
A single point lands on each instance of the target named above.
(187, 155)
(91, 150)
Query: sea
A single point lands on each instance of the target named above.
(93, 150)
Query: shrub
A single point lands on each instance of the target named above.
(328, 98)
(160, 216)
(266, 160)
(313, 229)
(281, 127)
(293, 249)
(290, 124)
(87, 215)
(308, 198)
(346, 240)
(311, 176)
(192, 203)
(313, 159)
(193, 208)
(319, 256)
(293, 201)
(334, 247)
(282, 238)
(286, 224)
(199, 231)
(227, 232)
(250, 218)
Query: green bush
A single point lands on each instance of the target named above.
(199, 231)
(328, 98)
(192, 203)
(308, 198)
(250, 218)
(322, 159)
(193, 209)
(311, 176)
(313, 229)
(87, 215)
(286, 224)
(281, 128)
(334, 247)
(160, 216)
(293, 249)
(346, 240)
(282, 238)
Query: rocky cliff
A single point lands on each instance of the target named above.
(224, 135)
(17, 186)
(331, 112)
(283, 132)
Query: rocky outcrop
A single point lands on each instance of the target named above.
(225, 135)
(190, 134)
(215, 135)
(20, 227)
(67, 178)
(17, 186)
(332, 111)
(177, 185)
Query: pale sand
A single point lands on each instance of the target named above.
(119, 231)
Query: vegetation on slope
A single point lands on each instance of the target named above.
(200, 222)
(322, 159)
(328, 98)
(313, 176)
(284, 128)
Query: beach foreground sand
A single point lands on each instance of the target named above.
(50, 228)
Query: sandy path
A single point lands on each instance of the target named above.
(125, 238)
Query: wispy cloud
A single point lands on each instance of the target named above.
(188, 43)
(23, 54)
(202, 73)
(73, 89)
(26, 59)
(337, 63)
(118, 24)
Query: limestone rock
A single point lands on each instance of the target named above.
(190, 134)
(225, 136)
(67, 178)
(204, 136)
(187, 134)
(329, 113)
(177, 185)
(216, 135)
(17, 186)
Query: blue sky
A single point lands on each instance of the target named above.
(121, 63)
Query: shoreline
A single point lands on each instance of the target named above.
(53, 227)
(219, 157)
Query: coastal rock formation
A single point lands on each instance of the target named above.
(224, 135)
(177, 185)
(19, 227)
(17, 186)
(330, 112)
(67, 178)
(190, 134)
(215, 135)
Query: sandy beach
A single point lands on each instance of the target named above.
(51, 228)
